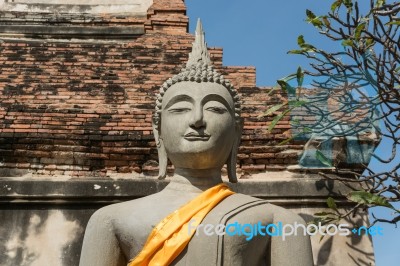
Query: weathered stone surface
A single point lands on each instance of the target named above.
(294, 186)
(41, 235)
(109, 32)
(89, 6)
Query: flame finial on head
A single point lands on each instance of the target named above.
(199, 49)
(198, 68)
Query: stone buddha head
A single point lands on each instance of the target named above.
(197, 123)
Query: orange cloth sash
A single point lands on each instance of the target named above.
(167, 240)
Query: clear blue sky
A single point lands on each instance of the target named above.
(259, 33)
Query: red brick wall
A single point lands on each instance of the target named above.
(84, 108)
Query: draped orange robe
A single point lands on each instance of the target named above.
(167, 240)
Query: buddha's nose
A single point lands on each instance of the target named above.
(197, 120)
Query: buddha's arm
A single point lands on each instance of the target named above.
(100, 246)
(294, 250)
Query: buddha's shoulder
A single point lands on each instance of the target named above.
(123, 209)
(256, 206)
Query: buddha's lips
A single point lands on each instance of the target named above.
(195, 136)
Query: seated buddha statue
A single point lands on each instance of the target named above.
(197, 126)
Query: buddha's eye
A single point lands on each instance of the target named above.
(180, 107)
(179, 110)
(217, 109)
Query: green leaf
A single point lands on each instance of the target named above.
(277, 119)
(289, 77)
(397, 69)
(322, 158)
(286, 87)
(300, 40)
(297, 103)
(312, 229)
(295, 52)
(310, 14)
(331, 204)
(380, 3)
(304, 131)
(347, 43)
(326, 21)
(283, 84)
(299, 76)
(367, 198)
(273, 109)
(324, 213)
(288, 140)
(317, 23)
(395, 22)
(335, 5)
(369, 42)
(323, 220)
(348, 4)
(313, 19)
(295, 121)
(272, 90)
(359, 29)
(305, 47)
(308, 48)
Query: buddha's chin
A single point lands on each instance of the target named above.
(197, 160)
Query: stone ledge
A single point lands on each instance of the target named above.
(82, 31)
(294, 191)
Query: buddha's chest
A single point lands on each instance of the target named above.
(225, 250)
(229, 237)
(233, 233)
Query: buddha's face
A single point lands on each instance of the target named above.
(197, 125)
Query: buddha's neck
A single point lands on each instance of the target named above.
(195, 179)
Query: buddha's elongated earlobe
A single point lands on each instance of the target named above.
(162, 154)
(231, 162)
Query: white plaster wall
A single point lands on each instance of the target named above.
(93, 6)
(80, 2)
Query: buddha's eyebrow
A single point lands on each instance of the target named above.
(179, 98)
(218, 98)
